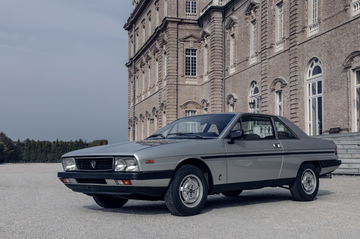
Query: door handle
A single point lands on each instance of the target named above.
(276, 146)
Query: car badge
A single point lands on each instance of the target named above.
(93, 164)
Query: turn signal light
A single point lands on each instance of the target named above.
(126, 182)
(64, 180)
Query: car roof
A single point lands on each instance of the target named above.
(239, 113)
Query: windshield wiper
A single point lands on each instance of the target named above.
(156, 135)
(192, 135)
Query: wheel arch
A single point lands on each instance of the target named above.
(200, 164)
(313, 162)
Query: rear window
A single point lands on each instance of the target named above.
(283, 131)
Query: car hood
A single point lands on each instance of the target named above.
(128, 148)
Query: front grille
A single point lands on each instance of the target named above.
(91, 180)
(94, 163)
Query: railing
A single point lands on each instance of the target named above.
(214, 3)
(355, 7)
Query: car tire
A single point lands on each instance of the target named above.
(232, 193)
(306, 184)
(106, 201)
(187, 192)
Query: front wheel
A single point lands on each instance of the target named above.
(306, 185)
(187, 192)
(109, 201)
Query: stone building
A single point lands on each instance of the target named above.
(296, 58)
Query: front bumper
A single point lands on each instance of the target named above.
(134, 185)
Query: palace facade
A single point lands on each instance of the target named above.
(296, 58)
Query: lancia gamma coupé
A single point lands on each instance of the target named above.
(197, 156)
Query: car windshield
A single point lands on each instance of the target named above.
(195, 127)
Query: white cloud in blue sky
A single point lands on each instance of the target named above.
(62, 72)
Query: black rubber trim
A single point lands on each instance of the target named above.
(329, 163)
(266, 154)
(118, 175)
(252, 185)
(125, 191)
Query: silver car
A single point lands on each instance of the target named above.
(197, 156)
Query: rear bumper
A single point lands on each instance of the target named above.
(328, 166)
(139, 185)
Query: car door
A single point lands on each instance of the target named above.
(292, 148)
(257, 156)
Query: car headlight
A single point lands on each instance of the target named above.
(68, 164)
(126, 164)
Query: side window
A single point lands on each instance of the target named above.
(257, 128)
(237, 126)
(283, 131)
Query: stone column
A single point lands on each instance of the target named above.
(216, 71)
(171, 88)
(294, 77)
(264, 46)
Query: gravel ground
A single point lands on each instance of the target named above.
(34, 204)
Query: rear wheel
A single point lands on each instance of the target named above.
(232, 193)
(106, 201)
(187, 192)
(306, 185)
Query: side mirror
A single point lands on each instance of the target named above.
(236, 134)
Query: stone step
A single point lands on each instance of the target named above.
(350, 165)
(348, 146)
(345, 142)
(348, 150)
(350, 161)
(347, 171)
(349, 155)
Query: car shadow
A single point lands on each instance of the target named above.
(213, 202)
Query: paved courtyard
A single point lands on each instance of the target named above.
(34, 204)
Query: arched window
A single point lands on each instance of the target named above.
(315, 102)
(254, 98)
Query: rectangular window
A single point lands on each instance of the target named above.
(190, 112)
(143, 31)
(253, 40)
(257, 128)
(157, 16)
(191, 127)
(190, 7)
(136, 40)
(232, 53)
(190, 62)
(357, 102)
(355, 6)
(164, 66)
(156, 74)
(313, 16)
(149, 23)
(279, 103)
(279, 22)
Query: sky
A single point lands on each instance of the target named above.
(62, 69)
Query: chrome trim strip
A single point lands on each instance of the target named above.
(134, 183)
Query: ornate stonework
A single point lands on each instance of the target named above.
(160, 90)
